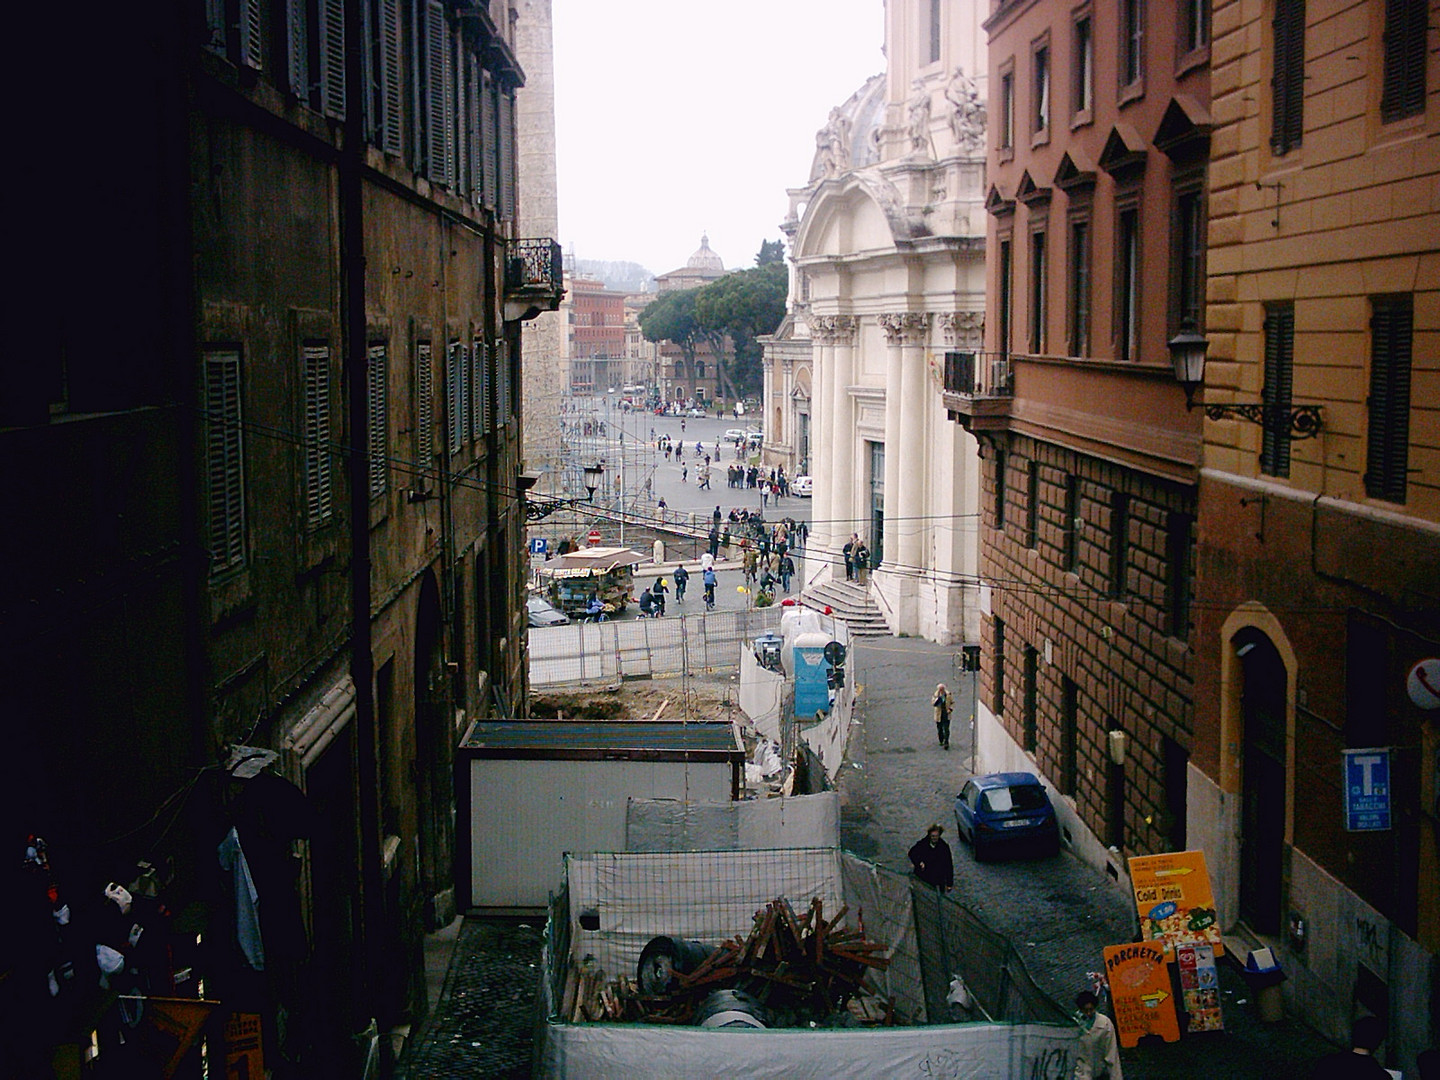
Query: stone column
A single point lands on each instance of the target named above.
(906, 434)
(843, 499)
(822, 453)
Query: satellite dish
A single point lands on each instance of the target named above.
(835, 653)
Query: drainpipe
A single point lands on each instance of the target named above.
(362, 662)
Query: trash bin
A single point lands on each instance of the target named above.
(1264, 974)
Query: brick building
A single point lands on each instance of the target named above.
(596, 325)
(1098, 138)
(1319, 531)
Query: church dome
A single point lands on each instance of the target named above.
(704, 258)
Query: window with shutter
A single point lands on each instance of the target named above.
(1403, 92)
(507, 157)
(435, 92)
(998, 660)
(1275, 395)
(297, 48)
(1030, 718)
(1000, 493)
(487, 137)
(1287, 78)
(507, 384)
(388, 93)
(484, 416)
(451, 93)
(315, 365)
(1132, 57)
(1032, 503)
(453, 395)
(378, 385)
(1080, 286)
(473, 148)
(1127, 285)
(224, 460)
(1387, 443)
(424, 404)
(1039, 291)
(332, 58)
(467, 391)
(252, 34)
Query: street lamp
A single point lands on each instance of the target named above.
(1187, 356)
(535, 509)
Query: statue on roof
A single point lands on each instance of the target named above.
(967, 112)
(832, 146)
(919, 111)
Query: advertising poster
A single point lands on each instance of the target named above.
(1140, 991)
(1173, 897)
(1199, 987)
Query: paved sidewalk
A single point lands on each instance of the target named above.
(1059, 912)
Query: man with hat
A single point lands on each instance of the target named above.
(931, 859)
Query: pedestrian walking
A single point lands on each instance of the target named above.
(659, 591)
(1097, 1054)
(787, 571)
(682, 578)
(684, 473)
(714, 539)
(861, 555)
(848, 551)
(941, 702)
(930, 858)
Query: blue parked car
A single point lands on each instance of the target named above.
(1006, 808)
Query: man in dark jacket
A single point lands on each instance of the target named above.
(931, 859)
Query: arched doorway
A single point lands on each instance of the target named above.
(1264, 779)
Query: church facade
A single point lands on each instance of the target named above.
(888, 248)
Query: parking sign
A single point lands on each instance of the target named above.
(1367, 790)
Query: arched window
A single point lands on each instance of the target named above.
(679, 369)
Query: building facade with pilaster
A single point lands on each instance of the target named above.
(889, 255)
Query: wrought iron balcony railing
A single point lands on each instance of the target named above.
(979, 374)
(534, 277)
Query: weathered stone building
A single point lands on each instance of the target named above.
(269, 432)
(1319, 531)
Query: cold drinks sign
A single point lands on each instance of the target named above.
(1367, 790)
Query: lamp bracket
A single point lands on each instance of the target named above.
(1297, 422)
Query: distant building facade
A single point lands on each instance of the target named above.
(1319, 557)
(681, 379)
(595, 323)
(889, 250)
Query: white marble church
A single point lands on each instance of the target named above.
(888, 250)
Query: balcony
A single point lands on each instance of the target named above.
(534, 278)
(978, 390)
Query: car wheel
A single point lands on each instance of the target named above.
(982, 851)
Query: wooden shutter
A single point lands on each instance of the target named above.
(1403, 92)
(507, 383)
(252, 34)
(1387, 443)
(224, 460)
(424, 403)
(315, 362)
(297, 48)
(378, 386)
(434, 92)
(474, 149)
(1275, 396)
(507, 156)
(484, 416)
(1288, 77)
(453, 390)
(215, 26)
(389, 100)
(332, 58)
(487, 138)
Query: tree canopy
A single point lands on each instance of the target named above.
(740, 306)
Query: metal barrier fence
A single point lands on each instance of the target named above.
(954, 941)
(699, 644)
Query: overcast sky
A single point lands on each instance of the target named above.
(681, 117)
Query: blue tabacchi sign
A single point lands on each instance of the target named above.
(1367, 790)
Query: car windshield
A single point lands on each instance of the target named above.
(1020, 797)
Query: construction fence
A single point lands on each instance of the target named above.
(703, 644)
(612, 904)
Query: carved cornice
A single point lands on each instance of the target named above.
(905, 327)
(963, 329)
(832, 329)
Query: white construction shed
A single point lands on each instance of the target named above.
(529, 791)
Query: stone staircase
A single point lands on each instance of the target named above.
(849, 601)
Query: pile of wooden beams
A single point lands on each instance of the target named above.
(803, 969)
